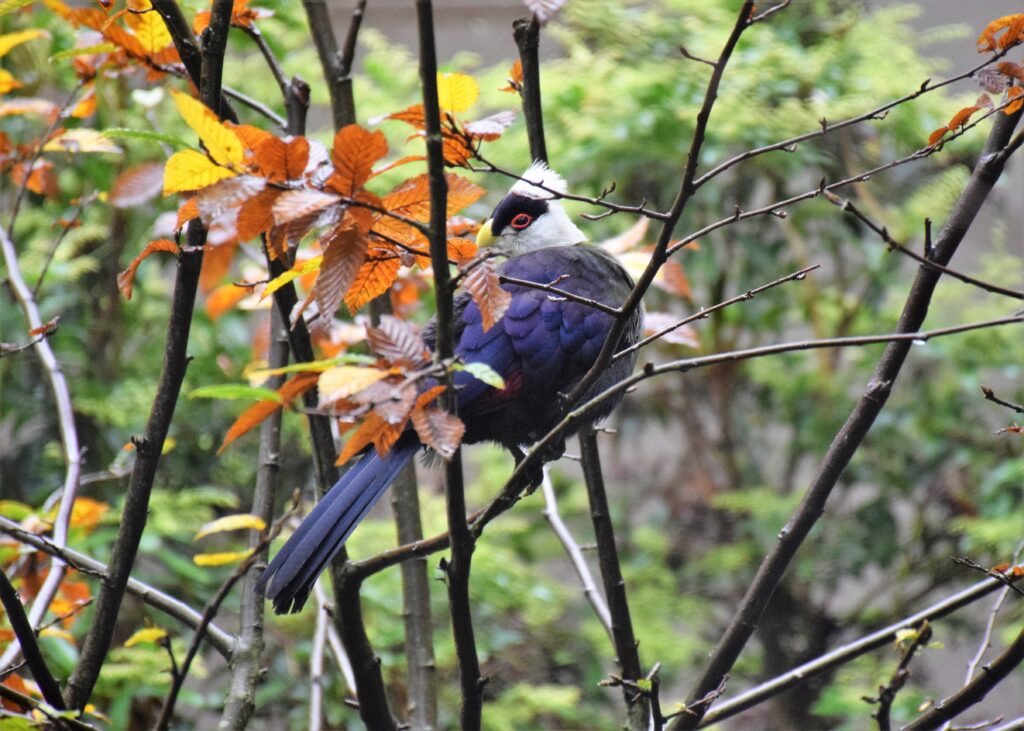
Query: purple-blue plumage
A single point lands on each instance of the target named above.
(541, 347)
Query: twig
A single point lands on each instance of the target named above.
(316, 670)
(83, 202)
(257, 106)
(849, 438)
(997, 575)
(973, 692)
(70, 448)
(991, 396)
(877, 113)
(174, 608)
(268, 55)
(148, 449)
(846, 653)
(770, 12)
(776, 209)
(641, 210)
(623, 636)
(798, 275)
(209, 612)
(26, 635)
(561, 293)
(883, 233)
(457, 569)
(887, 693)
(990, 624)
(334, 640)
(572, 549)
(29, 703)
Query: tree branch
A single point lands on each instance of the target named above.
(887, 693)
(846, 653)
(883, 234)
(337, 66)
(849, 438)
(457, 569)
(26, 635)
(133, 521)
(527, 37)
(973, 692)
(70, 449)
(174, 608)
(245, 658)
(623, 637)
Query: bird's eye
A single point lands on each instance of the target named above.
(521, 221)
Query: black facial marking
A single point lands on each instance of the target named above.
(516, 205)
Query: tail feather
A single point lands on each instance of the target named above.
(289, 578)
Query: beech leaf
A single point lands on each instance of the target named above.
(484, 287)
(126, 279)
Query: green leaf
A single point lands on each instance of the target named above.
(236, 391)
(312, 366)
(120, 133)
(483, 372)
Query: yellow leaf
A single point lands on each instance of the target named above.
(223, 144)
(10, 40)
(149, 635)
(344, 381)
(82, 140)
(8, 82)
(7, 6)
(299, 270)
(220, 559)
(456, 92)
(192, 170)
(231, 522)
(57, 632)
(149, 28)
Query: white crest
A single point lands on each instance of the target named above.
(539, 174)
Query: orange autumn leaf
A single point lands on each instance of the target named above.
(126, 279)
(87, 513)
(374, 430)
(373, 278)
(216, 264)
(256, 413)
(1014, 92)
(354, 154)
(937, 135)
(189, 210)
(515, 78)
(987, 39)
(251, 136)
(223, 298)
(961, 118)
(413, 116)
(461, 250)
(280, 161)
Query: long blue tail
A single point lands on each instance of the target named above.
(289, 578)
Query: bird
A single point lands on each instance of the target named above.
(541, 347)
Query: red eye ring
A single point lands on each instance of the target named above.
(521, 221)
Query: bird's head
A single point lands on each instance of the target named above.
(531, 216)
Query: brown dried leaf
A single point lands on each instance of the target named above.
(256, 215)
(492, 127)
(136, 185)
(439, 430)
(215, 200)
(293, 205)
(392, 402)
(344, 254)
(484, 287)
(396, 341)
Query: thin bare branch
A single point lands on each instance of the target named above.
(572, 549)
(991, 396)
(560, 294)
(26, 635)
(887, 693)
(70, 448)
(174, 608)
(883, 233)
(846, 653)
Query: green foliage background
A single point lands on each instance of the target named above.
(704, 468)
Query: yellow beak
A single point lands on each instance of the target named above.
(485, 236)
